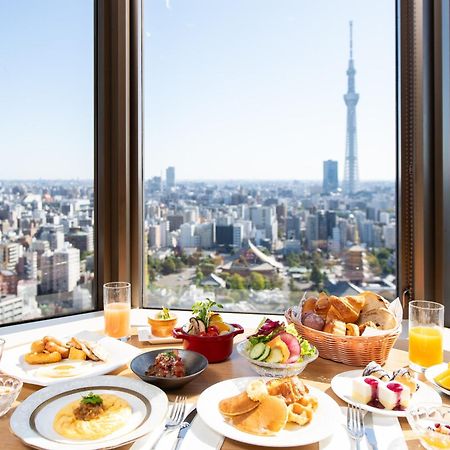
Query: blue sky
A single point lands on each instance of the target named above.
(233, 88)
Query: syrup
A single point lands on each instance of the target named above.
(374, 386)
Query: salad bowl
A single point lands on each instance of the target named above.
(277, 350)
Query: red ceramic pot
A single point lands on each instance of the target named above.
(215, 348)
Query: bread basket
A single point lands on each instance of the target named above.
(350, 350)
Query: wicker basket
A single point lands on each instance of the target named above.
(350, 350)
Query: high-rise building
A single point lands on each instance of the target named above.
(170, 177)
(330, 176)
(66, 269)
(351, 175)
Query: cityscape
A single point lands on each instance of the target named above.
(251, 245)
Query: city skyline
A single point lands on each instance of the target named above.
(263, 96)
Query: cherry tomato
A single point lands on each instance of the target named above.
(212, 331)
(202, 333)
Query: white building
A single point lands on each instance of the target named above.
(9, 255)
(238, 235)
(390, 236)
(188, 238)
(11, 308)
(66, 269)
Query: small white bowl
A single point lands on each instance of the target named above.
(266, 369)
(10, 388)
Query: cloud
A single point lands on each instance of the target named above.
(168, 5)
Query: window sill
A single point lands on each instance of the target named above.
(63, 326)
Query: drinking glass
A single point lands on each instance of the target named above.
(426, 323)
(117, 307)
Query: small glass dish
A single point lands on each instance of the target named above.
(266, 369)
(431, 423)
(10, 388)
(162, 327)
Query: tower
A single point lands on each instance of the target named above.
(351, 176)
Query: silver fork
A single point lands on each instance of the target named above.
(355, 424)
(175, 418)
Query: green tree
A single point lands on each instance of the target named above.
(236, 281)
(257, 281)
(168, 266)
(315, 276)
(207, 268)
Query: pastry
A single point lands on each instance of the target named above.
(405, 377)
(375, 370)
(322, 306)
(309, 305)
(352, 329)
(382, 318)
(363, 326)
(365, 389)
(373, 301)
(393, 395)
(336, 327)
(348, 307)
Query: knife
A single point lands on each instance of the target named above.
(370, 434)
(185, 427)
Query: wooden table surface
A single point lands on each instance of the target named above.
(318, 374)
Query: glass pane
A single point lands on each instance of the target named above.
(47, 158)
(270, 151)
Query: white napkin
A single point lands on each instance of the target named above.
(387, 430)
(199, 437)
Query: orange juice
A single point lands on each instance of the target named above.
(425, 346)
(117, 320)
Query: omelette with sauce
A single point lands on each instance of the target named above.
(93, 417)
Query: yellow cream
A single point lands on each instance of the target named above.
(116, 414)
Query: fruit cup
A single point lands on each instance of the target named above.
(162, 327)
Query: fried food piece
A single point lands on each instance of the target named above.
(299, 413)
(74, 353)
(43, 358)
(53, 339)
(51, 347)
(268, 418)
(257, 390)
(38, 346)
(237, 405)
(292, 389)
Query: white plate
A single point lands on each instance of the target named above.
(119, 354)
(342, 387)
(145, 335)
(320, 427)
(32, 421)
(432, 372)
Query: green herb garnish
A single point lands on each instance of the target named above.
(165, 313)
(92, 399)
(202, 310)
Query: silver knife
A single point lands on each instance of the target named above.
(370, 434)
(185, 426)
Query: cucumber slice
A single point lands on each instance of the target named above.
(265, 354)
(275, 356)
(257, 350)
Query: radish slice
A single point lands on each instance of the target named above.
(293, 346)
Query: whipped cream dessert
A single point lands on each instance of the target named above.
(394, 395)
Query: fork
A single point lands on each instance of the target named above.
(355, 424)
(175, 418)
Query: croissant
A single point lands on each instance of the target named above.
(322, 305)
(335, 327)
(348, 307)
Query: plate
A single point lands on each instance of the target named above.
(119, 354)
(342, 387)
(432, 372)
(32, 421)
(320, 427)
(145, 335)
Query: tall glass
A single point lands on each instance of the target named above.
(426, 323)
(117, 308)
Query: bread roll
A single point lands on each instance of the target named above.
(373, 301)
(322, 305)
(382, 318)
(352, 329)
(336, 327)
(348, 307)
(314, 321)
(309, 305)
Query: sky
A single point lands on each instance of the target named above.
(234, 89)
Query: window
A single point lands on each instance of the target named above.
(47, 158)
(270, 164)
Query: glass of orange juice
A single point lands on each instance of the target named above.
(117, 308)
(426, 323)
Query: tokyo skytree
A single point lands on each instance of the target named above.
(351, 175)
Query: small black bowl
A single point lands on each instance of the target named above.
(194, 363)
